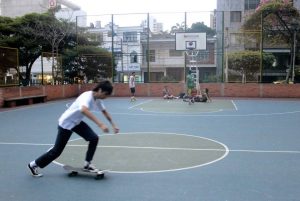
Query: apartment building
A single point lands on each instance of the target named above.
(132, 46)
(166, 61)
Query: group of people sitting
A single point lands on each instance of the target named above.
(197, 97)
(194, 95)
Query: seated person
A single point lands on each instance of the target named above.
(202, 97)
(189, 98)
(167, 93)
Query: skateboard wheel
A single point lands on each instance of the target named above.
(73, 174)
(99, 176)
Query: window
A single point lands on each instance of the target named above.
(118, 56)
(130, 36)
(151, 55)
(133, 57)
(204, 56)
(235, 16)
(251, 4)
(175, 53)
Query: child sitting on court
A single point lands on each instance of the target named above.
(167, 94)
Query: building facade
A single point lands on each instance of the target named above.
(153, 57)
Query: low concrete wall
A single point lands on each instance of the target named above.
(253, 90)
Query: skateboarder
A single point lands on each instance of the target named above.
(71, 121)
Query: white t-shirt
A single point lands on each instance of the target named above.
(73, 115)
(131, 81)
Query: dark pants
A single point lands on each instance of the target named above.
(63, 136)
(132, 90)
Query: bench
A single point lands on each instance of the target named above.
(24, 100)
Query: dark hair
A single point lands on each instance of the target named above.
(105, 86)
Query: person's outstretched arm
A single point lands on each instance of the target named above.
(92, 117)
(108, 117)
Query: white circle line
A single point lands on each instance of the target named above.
(166, 148)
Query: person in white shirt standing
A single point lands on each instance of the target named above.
(132, 86)
(72, 121)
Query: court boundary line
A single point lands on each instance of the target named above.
(147, 101)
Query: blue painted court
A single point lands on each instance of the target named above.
(168, 150)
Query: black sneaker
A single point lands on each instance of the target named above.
(90, 168)
(34, 171)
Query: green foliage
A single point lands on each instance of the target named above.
(18, 33)
(168, 78)
(248, 62)
(276, 14)
(93, 62)
(201, 27)
(195, 28)
(35, 33)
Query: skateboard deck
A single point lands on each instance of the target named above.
(74, 171)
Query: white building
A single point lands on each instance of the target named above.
(126, 44)
(155, 27)
(16, 8)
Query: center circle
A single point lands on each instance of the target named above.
(145, 152)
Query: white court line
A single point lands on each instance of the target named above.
(234, 105)
(200, 114)
(165, 148)
(140, 104)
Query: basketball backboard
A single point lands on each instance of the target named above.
(190, 41)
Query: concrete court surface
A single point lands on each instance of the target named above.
(240, 149)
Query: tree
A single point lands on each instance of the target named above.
(201, 27)
(247, 63)
(280, 23)
(17, 33)
(54, 32)
(178, 28)
(90, 61)
(196, 27)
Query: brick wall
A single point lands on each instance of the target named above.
(55, 92)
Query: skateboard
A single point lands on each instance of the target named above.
(74, 171)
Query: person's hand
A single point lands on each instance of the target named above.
(116, 129)
(104, 128)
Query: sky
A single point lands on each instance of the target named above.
(162, 9)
